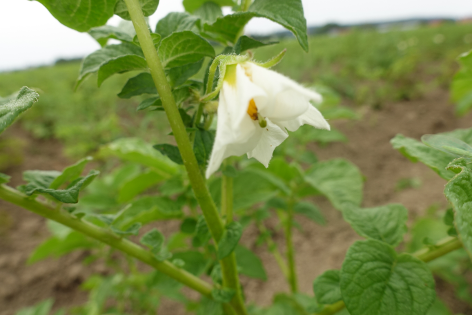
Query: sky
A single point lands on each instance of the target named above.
(30, 36)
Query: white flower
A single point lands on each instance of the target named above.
(256, 108)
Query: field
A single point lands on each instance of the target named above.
(389, 83)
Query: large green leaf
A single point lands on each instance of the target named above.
(148, 209)
(80, 15)
(176, 22)
(103, 33)
(310, 211)
(192, 5)
(58, 246)
(250, 265)
(339, 180)
(375, 280)
(179, 75)
(70, 173)
(120, 65)
(288, 13)
(139, 184)
(68, 195)
(417, 151)
(459, 193)
(13, 106)
(140, 84)
(385, 223)
(433, 158)
(181, 48)
(137, 150)
(326, 287)
(208, 12)
(95, 60)
(227, 28)
(148, 7)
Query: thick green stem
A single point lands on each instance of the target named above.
(105, 236)
(245, 4)
(290, 250)
(441, 248)
(197, 181)
(227, 195)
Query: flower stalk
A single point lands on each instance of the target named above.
(202, 194)
(105, 236)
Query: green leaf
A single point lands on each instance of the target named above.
(228, 242)
(179, 75)
(4, 178)
(95, 60)
(192, 5)
(245, 43)
(202, 233)
(416, 151)
(188, 226)
(140, 84)
(80, 15)
(227, 28)
(339, 180)
(249, 264)
(153, 239)
(203, 145)
(13, 106)
(120, 65)
(459, 193)
(181, 48)
(310, 211)
(171, 151)
(148, 7)
(58, 246)
(288, 13)
(385, 223)
(447, 144)
(176, 22)
(148, 209)
(39, 178)
(42, 308)
(139, 184)
(70, 173)
(195, 262)
(138, 151)
(377, 281)
(152, 101)
(132, 230)
(208, 12)
(326, 287)
(103, 33)
(68, 195)
(223, 295)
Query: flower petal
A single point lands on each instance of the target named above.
(270, 137)
(286, 98)
(311, 117)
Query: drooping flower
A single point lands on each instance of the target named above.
(256, 108)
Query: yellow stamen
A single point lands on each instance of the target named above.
(252, 110)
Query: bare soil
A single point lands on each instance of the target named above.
(318, 247)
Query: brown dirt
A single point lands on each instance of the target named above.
(318, 247)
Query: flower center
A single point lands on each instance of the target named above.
(252, 110)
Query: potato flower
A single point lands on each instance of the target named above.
(256, 108)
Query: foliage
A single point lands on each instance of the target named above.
(143, 183)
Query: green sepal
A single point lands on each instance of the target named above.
(272, 62)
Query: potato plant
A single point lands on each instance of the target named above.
(240, 108)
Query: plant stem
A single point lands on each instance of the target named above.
(290, 250)
(441, 248)
(227, 195)
(202, 194)
(105, 236)
(274, 250)
(196, 121)
(245, 5)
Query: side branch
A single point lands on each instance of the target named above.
(105, 236)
